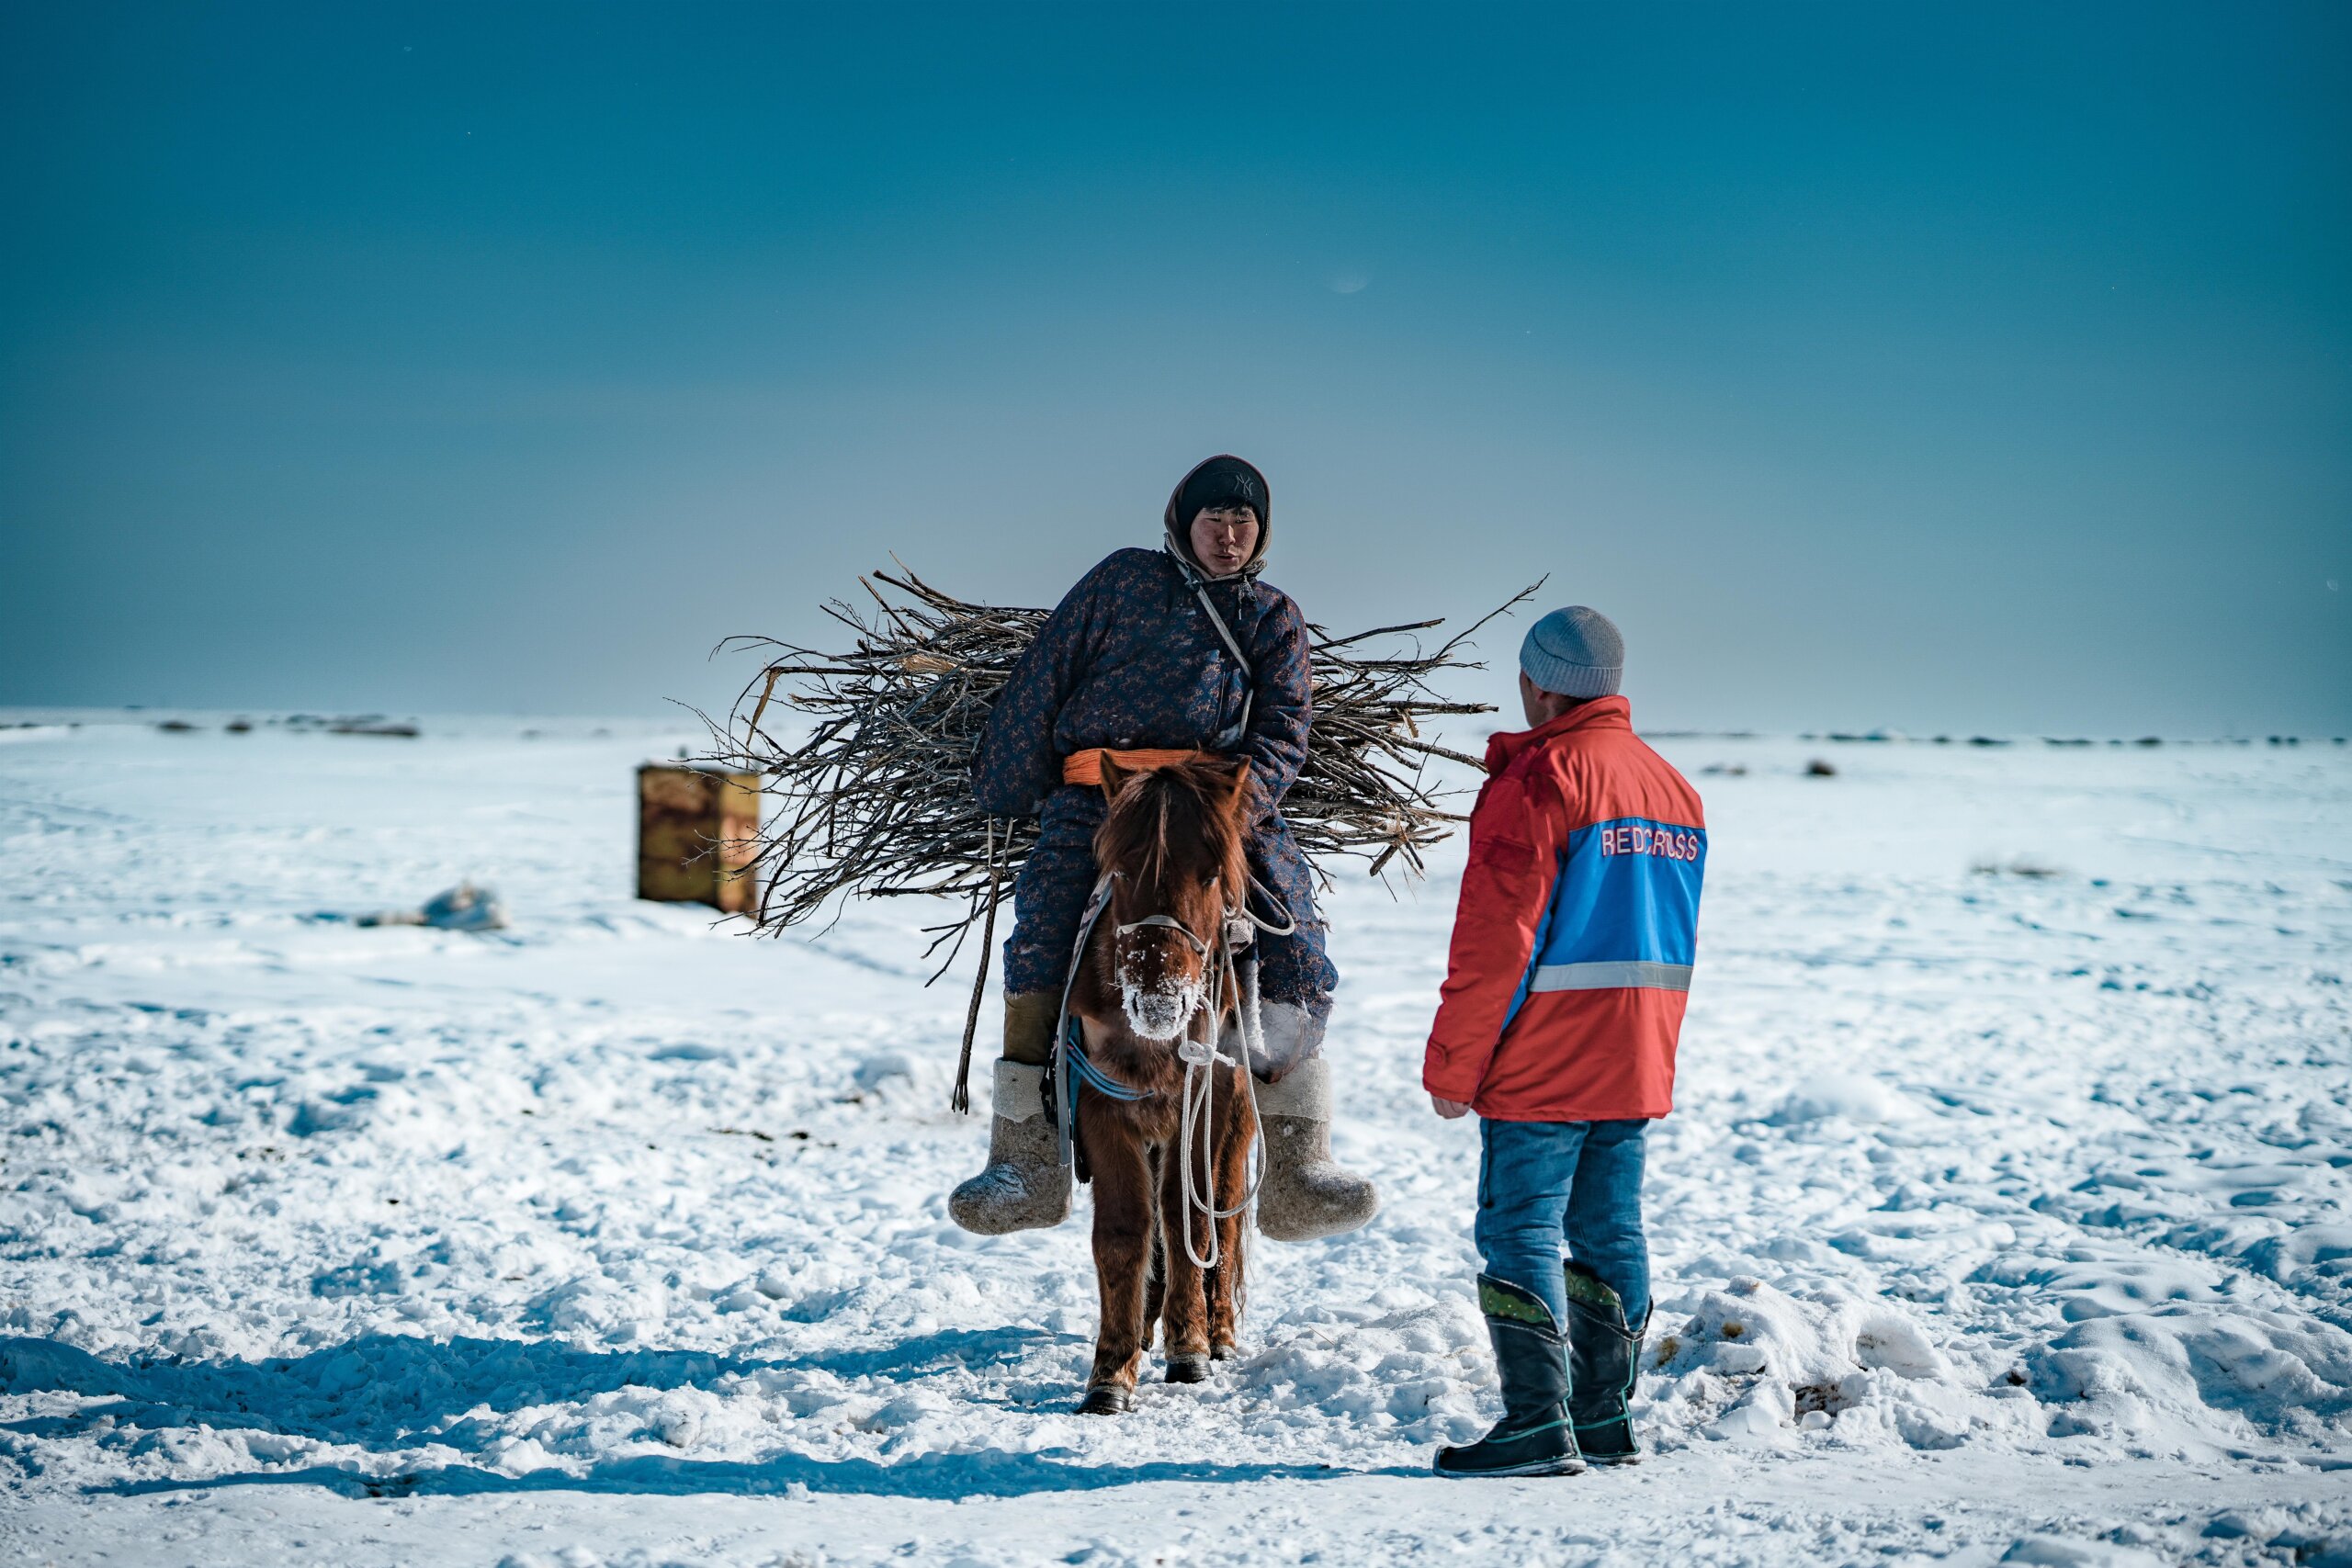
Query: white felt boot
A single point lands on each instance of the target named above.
(1025, 1186)
(1305, 1195)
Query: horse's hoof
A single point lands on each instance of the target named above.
(1188, 1369)
(1225, 1352)
(1109, 1399)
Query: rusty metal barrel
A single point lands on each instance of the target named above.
(697, 829)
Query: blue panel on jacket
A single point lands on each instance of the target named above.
(1628, 893)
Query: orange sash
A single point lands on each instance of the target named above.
(1086, 767)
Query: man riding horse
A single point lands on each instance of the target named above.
(1176, 649)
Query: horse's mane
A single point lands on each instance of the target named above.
(1164, 818)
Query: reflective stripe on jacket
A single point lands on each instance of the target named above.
(1576, 929)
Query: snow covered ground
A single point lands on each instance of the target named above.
(2003, 1219)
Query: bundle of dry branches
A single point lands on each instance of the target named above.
(875, 797)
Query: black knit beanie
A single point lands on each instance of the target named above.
(1222, 481)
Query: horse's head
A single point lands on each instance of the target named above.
(1172, 841)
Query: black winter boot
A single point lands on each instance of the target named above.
(1533, 1437)
(1605, 1358)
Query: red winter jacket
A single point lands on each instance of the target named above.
(1578, 925)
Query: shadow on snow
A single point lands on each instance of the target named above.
(992, 1474)
(399, 1391)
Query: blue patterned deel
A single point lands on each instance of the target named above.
(1129, 659)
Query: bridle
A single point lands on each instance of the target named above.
(1240, 921)
(1172, 922)
(1201, 948)
(1239, 925)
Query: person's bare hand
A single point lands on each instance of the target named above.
(1451, 1110)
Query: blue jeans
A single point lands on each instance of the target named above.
(1543, 1183)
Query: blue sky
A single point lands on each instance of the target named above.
(1970, 367)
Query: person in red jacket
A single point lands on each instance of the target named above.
(1562, 1001)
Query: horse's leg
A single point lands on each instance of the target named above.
(1229, 1285)
(1123, 1205)
(1186, 1343)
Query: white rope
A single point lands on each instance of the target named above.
(1201, 1058)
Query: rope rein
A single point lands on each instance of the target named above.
(1196, 1118)
(1200, 1058)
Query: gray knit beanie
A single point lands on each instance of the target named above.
(1573, 652)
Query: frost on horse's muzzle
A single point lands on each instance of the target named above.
(1159, 1012)
(1159, 988)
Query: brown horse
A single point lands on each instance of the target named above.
(1154, 975)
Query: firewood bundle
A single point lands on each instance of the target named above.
(867, 754)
